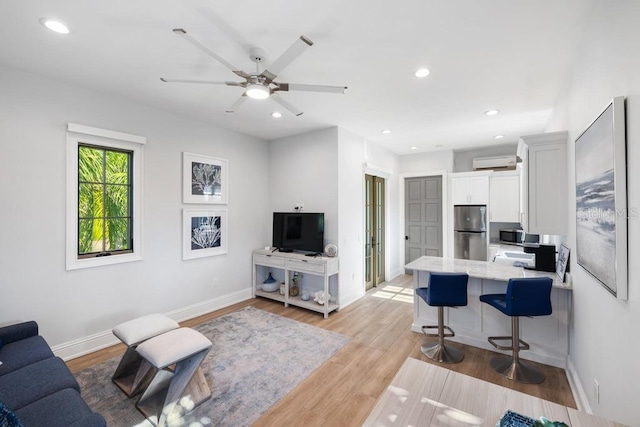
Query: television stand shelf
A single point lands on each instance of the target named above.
(283, 265)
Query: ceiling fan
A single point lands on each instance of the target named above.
(260, 85)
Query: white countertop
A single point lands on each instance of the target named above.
(479, 269)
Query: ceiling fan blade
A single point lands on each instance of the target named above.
(312, 88)
(287, 57)
(206, 82)
(286, 104)
(181, 32)
(237, 104)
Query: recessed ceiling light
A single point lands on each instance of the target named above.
(498, 137)
(491, 112)
(414, 148)
(55, 25)
(423, 72)
(276, 114)
(386, 131)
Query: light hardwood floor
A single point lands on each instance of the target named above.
(343, 391)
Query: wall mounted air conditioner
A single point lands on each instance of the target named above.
(496, 162)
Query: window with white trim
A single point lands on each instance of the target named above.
(104, 197)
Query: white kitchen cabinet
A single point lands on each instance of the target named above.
(504, 197)
(543, 183)
(470, 188)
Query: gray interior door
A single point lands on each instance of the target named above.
(423, 217)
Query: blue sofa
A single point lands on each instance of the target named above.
(36, 387)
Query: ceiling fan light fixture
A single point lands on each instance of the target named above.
(256, 91)
(55, 26)
(422, 73)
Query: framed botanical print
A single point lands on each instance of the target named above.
(204, 233)
(204, 179)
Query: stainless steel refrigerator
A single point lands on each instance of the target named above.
(470, 232)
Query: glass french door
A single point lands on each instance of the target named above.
(374, 231)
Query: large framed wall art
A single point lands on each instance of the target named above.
(204, 179)
(601, 199)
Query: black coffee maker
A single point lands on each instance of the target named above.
(545, 256)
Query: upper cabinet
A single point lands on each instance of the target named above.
(543, 183)
(470, 188)
(504, 200)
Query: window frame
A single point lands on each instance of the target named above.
(104, 185)
(85, 135)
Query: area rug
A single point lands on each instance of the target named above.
(256, 359)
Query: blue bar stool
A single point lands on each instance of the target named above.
(444, 290)
(524, 297)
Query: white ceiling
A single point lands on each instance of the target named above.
(510, 55)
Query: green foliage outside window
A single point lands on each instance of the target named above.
(104, 200)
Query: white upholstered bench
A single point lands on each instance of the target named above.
(172, 392)
(132, 375)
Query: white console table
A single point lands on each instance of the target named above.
(282, 265)
(473, 324)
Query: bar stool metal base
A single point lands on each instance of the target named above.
(442, 353)
(516, 370)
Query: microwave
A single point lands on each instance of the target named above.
(512, 235)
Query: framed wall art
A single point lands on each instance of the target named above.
(204, 179)
(204, 233)
(601, 199)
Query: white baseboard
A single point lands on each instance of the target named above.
(350, 299)
(576, 388)
(85, 345)
(395, 273)
(95, 342)
(204, 307)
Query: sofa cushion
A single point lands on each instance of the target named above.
(8, 418)
(18, 331)
(17, 354)
(62, 408)
(32, 382)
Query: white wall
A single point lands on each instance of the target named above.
(351, 216)
(330, 179)
(604, 339)
(431, 161)
(304, 169)
(73, 305)
(382, 162)
(358, 157)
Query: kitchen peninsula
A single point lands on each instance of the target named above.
(473, 324)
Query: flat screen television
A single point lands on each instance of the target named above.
(298, 231)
